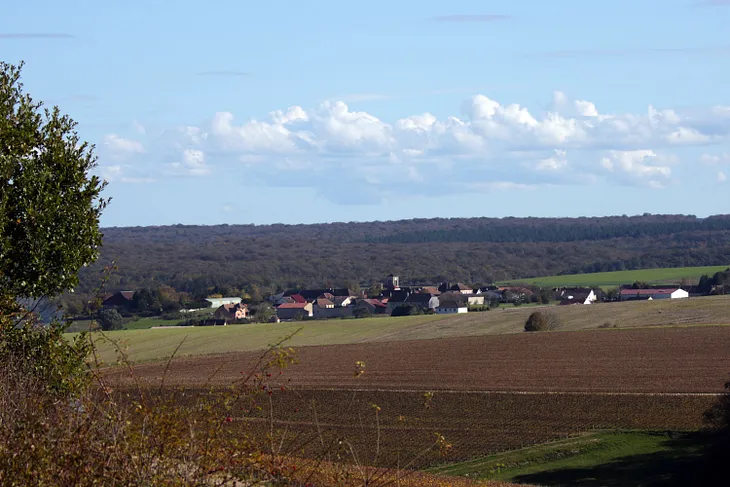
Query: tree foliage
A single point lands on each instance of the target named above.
(542, 321)
(110, 319)
(261, 259)
(50, 204)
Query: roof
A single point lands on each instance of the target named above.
(325, 303)
(418, 298)
(298, 298)
(329, 296)
(127, 294)
(293, 306)
(576, 296)
(451, 303)
(375, 302)
(460, 287)
(430, 290)
(647, 292)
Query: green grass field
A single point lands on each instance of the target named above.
(630, 458)
(610, 279)
(147, 344)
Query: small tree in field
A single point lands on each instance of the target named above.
(110, 319)
(542, 321)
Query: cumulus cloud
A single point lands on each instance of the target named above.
(192, 164)
(485, 144)
(119, 148)
(714, 159)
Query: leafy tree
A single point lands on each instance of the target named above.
(542, 321)
(406, 310)
(362, 313)
(50, 206)
(49, 203)
(146, 301)
(545, 296)
(109, 319)
(264, 312)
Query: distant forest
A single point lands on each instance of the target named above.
(262, 258)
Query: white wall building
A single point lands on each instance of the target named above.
(218, 302)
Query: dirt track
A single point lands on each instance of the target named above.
(675, 360)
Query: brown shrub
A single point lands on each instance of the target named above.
(542, 321)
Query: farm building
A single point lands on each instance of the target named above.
(232, 312)
(373, 306)
(451, 306)
(650, 294)
(121, 299)
(577, 296)
(218, 302)
(291, 311)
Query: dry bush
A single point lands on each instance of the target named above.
(103, 437)
(542, 321)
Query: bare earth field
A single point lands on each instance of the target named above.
(489, 393)
(657, 360)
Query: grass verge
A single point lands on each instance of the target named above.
(627, 458)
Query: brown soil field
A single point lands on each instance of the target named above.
(654, 360)
(400, 426)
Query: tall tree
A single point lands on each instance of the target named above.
(50, 203)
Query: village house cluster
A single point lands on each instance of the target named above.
(396, 300)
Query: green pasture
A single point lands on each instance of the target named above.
(610, 279)
(143, 345)
(621, 458)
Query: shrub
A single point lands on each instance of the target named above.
(362, 313)
(110, 319)
(542, 321)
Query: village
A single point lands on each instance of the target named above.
(390, 298)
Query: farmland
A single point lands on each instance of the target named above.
(486, 395)
(658, 360)
(611, 279)
(150, 345)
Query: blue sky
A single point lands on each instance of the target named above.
(297, 112)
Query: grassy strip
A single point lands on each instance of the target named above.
(614, 458)
(610, 279)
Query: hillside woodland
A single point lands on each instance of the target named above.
(256, 259)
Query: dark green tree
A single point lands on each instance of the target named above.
(109, 319)
(146, 301)
(50, 206)
(50, 203)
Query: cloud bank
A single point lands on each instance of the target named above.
(353, 156)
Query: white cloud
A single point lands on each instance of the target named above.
(721, 177)
(193, 163)
(488, 143)
(640, 166)
(119, 148)
(714, 159)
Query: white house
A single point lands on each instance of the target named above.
(218, 302)
(451, 306)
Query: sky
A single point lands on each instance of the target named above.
(299, 112)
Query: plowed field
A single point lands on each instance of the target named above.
(658, 360)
